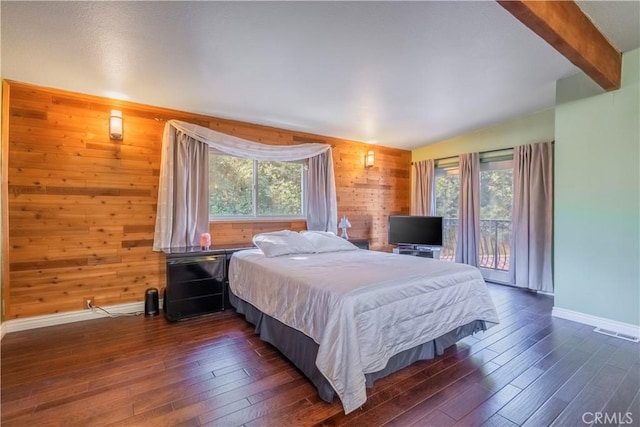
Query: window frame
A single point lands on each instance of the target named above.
(254, 195)
(494, 165)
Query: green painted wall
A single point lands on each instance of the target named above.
(597, 199)
(538, 127)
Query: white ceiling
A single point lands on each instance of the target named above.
(401, 74)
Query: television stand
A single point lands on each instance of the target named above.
(419, 251)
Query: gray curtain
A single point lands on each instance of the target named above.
(467, 246)
(423, 189)
(190, 191)
(532, 217)
(321, 199)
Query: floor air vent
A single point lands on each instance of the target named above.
(617, 335)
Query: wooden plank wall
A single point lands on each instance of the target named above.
(81, 207)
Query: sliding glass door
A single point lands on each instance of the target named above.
(496, 200)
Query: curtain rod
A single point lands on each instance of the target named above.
(483, 152)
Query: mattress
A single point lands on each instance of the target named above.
(361, 307)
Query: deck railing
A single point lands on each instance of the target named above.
(495, 242)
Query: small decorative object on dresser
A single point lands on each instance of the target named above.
(205, 241)
(344, 224)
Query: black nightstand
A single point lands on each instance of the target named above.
(195, 284)
(361, 243)
(197, 281)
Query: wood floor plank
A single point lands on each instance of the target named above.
(236, 390)
(593, 397)
(489, 407)
(523, 380)
(443, 400)
(419, 373)
(516, 366)
(527, 402)
(545, 414)
(285, 418)
(147, 400)
(28, 404)
(74, 412)
(465, 402)
(261, 408)
(300, 385)
(634, 408)
(498, 421)
(581, 378)
(549, 411)
(214, 370)
(435, 418)
(625, 355)
(428, 393)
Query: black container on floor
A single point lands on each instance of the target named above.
(151, 302)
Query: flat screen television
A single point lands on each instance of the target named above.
(415, 230)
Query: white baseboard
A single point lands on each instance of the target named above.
(599, 322)
(3, 329)
(69, 317)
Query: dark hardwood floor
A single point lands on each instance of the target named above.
(531, 370)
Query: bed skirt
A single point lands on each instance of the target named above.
(302, 350)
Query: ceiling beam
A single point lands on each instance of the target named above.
(565, 27)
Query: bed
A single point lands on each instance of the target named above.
(346, 318)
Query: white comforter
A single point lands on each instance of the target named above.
(361, 307)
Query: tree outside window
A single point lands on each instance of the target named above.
(246, 188)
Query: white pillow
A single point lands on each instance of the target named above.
(283, 242)
(326, 241)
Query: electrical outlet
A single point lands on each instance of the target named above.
(87, 302)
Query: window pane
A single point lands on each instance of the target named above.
(496, 194)
(496, 198)
(230, 186)
(447, 190)
(279, 188)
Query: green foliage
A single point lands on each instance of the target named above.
(231, 182)
(496, 194)
(447, 191)
(279, 188)
(230, 186)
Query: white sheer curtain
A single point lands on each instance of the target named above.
(532, 217)
(322, 209)
(423, 190)
(468, 244)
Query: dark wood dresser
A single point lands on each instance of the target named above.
(197, 281)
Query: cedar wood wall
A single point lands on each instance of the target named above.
(81, 207)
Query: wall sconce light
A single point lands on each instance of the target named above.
(115, 124)
(368, 159)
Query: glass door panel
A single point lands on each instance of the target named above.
(447, 190)
(496, 201)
